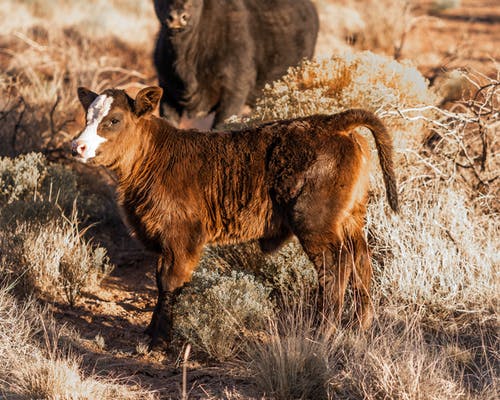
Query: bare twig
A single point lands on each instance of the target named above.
(30, 42)
(184, 371)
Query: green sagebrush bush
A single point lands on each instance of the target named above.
(217, 310)
(41, 249)
(233, 292)
(32, 189)
(289, 271)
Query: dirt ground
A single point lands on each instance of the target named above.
(464, 37)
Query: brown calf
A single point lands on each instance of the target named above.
(183, 189)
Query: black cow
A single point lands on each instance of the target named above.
(216, 55)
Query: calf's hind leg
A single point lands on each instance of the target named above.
(336, 264)
(334, 268)
(361, 280)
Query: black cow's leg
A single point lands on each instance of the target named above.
(231, 103)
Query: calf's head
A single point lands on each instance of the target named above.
(178, 15)
(112, 117)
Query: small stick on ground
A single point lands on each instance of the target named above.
(184, 371)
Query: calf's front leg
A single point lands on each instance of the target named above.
(172, 272)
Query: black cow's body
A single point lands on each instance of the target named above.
(222, 52)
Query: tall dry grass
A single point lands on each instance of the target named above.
(35, 362)
(42, 248)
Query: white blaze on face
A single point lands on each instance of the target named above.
(95, 114)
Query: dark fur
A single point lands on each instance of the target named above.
(183, 189)
(229, 49)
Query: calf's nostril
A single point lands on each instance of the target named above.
(81, 149)
(77, 149)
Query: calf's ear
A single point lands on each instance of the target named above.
(86, 97)
(147, 100)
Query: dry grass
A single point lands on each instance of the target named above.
(291, 360)
(43, 250)
(35, 363)
(402, 357)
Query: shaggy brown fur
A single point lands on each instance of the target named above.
(183, 189)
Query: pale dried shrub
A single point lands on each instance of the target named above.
(232, 293)
(216, 311)
(443, 249)
(33, 189)
(439, 251)
(21, 177)
(362, 80)
(42, 249)
(53, 259)
(82, 267)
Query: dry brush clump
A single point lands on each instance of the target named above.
(233, 293)
(42, 250)
(218, 311)
(356, 80)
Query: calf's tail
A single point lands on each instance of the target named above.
(353, 118)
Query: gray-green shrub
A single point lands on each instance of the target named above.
(216, 311)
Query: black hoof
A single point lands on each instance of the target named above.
(158, 343)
